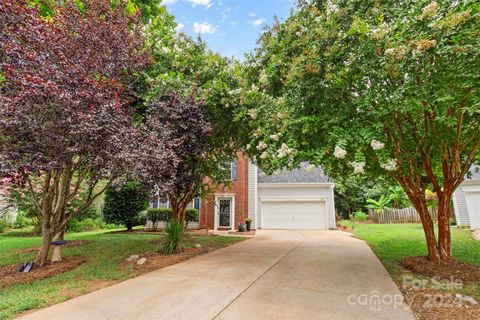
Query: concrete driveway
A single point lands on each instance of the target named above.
(276, 275)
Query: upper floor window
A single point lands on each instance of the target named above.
(234, 170)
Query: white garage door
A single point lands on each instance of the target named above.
(293, 215)
(473, 206)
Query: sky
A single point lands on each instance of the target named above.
(230, 27)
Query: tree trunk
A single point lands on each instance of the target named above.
(42, 255)
(417, 197)
(444, 235)
(129, 226)
(57, 250)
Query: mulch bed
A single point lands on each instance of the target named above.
(345, 229)
(9, 274)
(459, 270)
(430, 304)
(69, 244)
(157, 260)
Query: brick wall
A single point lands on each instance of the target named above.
(238, 187)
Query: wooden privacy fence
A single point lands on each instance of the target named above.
(406, 215)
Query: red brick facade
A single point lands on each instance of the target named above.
(237, 190)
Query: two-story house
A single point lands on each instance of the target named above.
(298, 199)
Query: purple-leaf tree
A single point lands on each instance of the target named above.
(184, 131)
(63, 102)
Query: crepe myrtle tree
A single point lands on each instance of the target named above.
(375, 88)
(63, 103)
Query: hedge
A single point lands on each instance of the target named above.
(164, 214)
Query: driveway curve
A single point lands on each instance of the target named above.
(279, 274)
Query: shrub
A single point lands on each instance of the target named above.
(159, 214)
(4, 226)
(346, 224)
(164, 215)
(91, 212)
(123, 204)
(175, 233)
(191, 215)
(88, 224)
(360, 216)
(22, 221)
(142, 218)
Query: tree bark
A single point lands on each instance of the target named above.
(57, 250)
(42, 255)
(428, 229)
(444, 234)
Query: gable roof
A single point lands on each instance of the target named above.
(300, 175)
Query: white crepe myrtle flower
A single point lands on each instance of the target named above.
(263, 77)
(390, 165)
(235, 91)
(264, 155)
(310, 168)
(284, 151)
(248, 147)
(166, 50)
(262, 145)
(377, 145)
(429, 11)
(253, 113)
(275, 137)
(339, 152)
(380, 32)
(358, 167)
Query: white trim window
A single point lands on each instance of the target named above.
(156, 203)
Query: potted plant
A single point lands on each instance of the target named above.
(241, 227)
(248, 223)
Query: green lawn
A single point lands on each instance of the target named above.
(104, 255)
(392, 242)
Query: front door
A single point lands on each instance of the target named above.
(224, 213)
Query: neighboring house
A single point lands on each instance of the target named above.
(466, 200)
(8, 212)
(297, 199)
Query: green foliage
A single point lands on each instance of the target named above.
(352, 192)
(187, 67)
(22, 221)
(359, 216)
(4, 225)
(381, 88)
(175, 236)
(380, 204)
(165, 214)
(347, 224)
(87, 224)
(398, 198)
(123, 204)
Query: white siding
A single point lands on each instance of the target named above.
(473, 205)
(252, 192)
(301, 191)
(460, 207)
